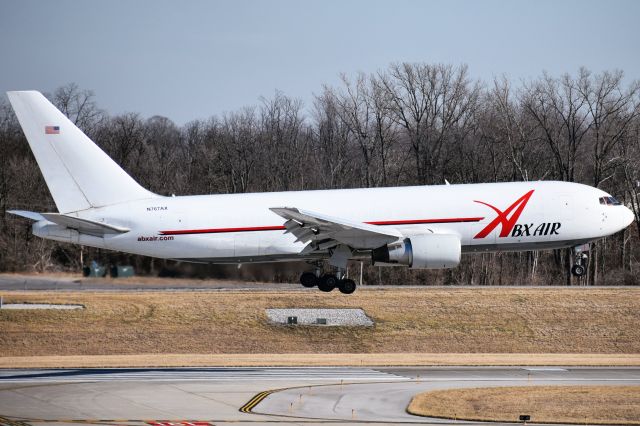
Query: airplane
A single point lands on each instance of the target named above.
(419, 227)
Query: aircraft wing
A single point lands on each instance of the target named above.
(84, 226)
(324, 232)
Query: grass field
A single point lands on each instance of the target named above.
(428, 320)
(315, 360)
(545, 404)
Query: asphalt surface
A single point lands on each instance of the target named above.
(272, 395)
(57, 282)
(18, 282)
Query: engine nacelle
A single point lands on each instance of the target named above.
(426, 251)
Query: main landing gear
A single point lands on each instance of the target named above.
(328, 282)
(580, 261)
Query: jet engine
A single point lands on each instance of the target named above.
(425, 251)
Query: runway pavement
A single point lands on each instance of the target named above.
(23, 282)
(256, 395)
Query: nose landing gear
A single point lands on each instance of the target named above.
(578, 270)
(580, 260)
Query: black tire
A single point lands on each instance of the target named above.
(347, 286)
(578, 270)
(308, 279)
(327, 283)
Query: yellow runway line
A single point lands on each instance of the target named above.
(246, 408)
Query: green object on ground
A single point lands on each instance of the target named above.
(121, 271)
(94, 271)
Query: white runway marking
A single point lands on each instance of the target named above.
(545, 369)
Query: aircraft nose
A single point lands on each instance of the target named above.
(627, 217)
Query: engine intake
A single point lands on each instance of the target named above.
(427, 251)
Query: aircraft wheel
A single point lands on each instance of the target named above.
(327, 283)
(347, 286)
(308, 279)
(578, 270)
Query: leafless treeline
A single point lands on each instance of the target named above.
(408, 124)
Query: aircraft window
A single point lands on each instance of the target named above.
(614, 202)
(609, 201)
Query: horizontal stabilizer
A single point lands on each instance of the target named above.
(84, 226)
(29, 215)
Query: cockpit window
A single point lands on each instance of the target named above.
(609, 201)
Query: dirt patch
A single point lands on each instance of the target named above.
(545, 404)
(427, 321)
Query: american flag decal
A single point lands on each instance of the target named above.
(52, 130)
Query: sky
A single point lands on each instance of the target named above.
(189, 60)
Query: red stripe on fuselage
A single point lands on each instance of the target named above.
(222, 230)
(282, 228)
(419, 221)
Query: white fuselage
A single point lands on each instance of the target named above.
(240, 228)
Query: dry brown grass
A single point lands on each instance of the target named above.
(456, 320)
(545, 404)
(310, 360)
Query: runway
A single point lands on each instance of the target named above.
(19, 282)
(256, 395)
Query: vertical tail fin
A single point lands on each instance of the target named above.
(78, 173)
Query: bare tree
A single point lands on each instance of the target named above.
(238, 150)
(429, 102)
(357, 114)
(630, 152)
(611, 110)
(385, 131)
(283, 136)
(79, 106)
(514, 133)
(561, 113)
(330, 140)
